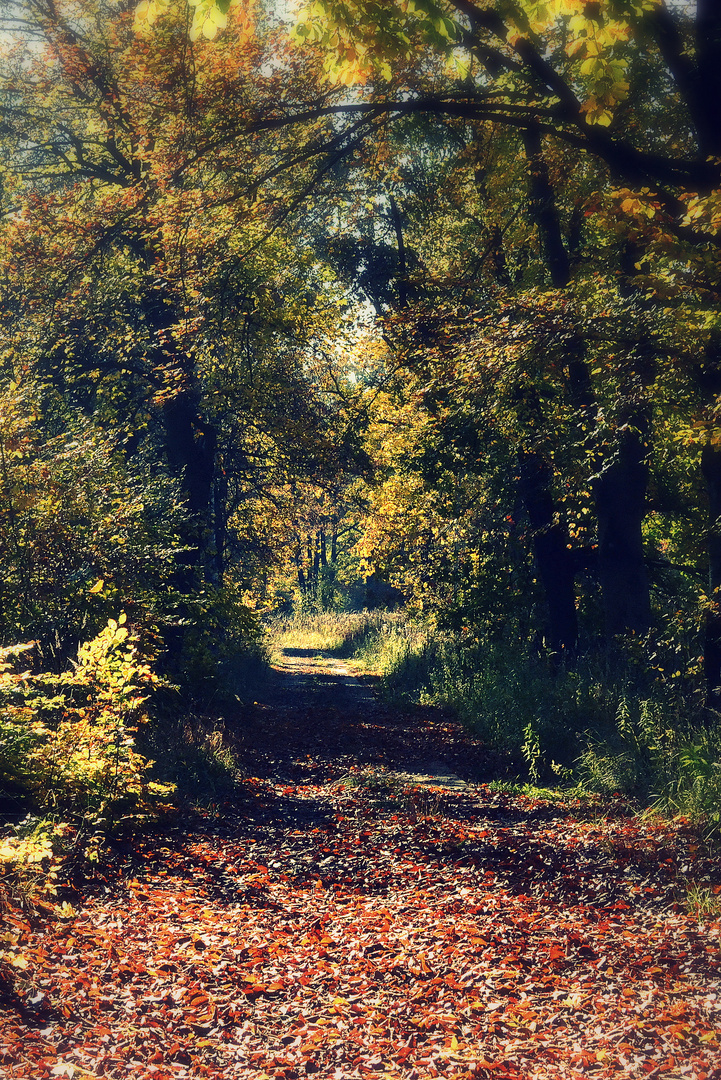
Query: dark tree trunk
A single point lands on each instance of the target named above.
(708, 379)
(220, 523)
(498, 254)
(316, 557)
(552, 552)
(542, 205)
(190, 445)
(551, 543)
(298, 559)
(620, 495)
(711, 467)
(707, 77)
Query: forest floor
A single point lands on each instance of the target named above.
(367, 905)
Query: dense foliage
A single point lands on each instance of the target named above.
(407, 303)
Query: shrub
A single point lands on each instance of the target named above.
(598, 724)
(67, 742)
(221, 655)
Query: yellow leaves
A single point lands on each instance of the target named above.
(363, 39)
(25, 851)
(704, 213)
(638, 204)
(147, 13)
(592, 66)
(209, 17)
(597, 114)
(207, 20)
(16, 960)
(349, 70)
(445, 27)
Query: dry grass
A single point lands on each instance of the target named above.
(334, 632)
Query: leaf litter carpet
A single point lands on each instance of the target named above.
(338, 921)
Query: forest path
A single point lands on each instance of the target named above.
(335, 920)
(317, 705)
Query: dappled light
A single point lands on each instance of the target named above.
(360, 539)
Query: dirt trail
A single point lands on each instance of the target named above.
(327, 708)
(333, 920)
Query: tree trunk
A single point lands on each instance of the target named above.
(542, 205)
(298, 559)
(552, 552)
(551, 542)
(711, 468)
(316, 557)
(220, 524)
(707, 78)
(620, 495)
(190, 446)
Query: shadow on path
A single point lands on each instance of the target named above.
(319, 710)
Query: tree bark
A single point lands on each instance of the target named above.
(542, 205)
(711, 468)
(190, 446)
(620, 496)
(298, 559)
(552, 553)
(220, 524)
(551, 543)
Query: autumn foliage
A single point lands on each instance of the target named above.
(306, 310)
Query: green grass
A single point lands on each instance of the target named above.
(703, 901)
(597, 727)
(193, 752)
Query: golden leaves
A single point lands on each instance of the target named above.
(704, 213)
(147, 13)
(209, 17)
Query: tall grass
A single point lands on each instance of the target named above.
(601, 724)
(341, 633)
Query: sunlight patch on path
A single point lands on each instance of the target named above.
(437, 775)
(311, 662)
(306, 665)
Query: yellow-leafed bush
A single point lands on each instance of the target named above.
(68, 741)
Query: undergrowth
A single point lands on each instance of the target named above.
(105, 748)
(592, 727)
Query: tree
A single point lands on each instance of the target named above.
(595, 82)
(150, 279)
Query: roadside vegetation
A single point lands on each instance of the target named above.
(590, 727)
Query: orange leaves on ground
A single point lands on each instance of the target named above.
(496, 937)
